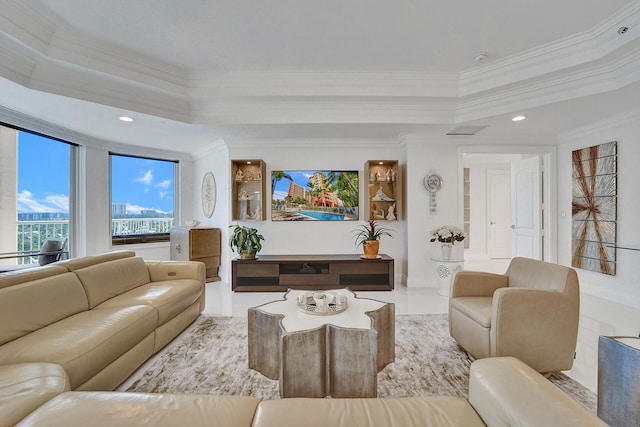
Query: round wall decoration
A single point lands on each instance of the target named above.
(208, 194)
(432, 182)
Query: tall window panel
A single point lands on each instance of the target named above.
(142, 199)
(35, 194)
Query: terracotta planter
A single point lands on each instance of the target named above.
(371, 248)
(247, 255)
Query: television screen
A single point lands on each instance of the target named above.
(314, 195)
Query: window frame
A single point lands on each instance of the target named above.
(145, 238)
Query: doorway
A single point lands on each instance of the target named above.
(506, 208)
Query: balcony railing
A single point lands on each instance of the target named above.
(32, 234)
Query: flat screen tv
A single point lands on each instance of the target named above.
(314, 195)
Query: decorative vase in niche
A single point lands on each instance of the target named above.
(446, 251)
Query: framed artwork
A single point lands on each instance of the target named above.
(593, 208)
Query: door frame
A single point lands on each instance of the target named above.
(548, 155)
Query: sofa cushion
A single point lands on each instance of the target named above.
(84, 343)
(74, 264)
(17, 277)
(33, 305)
(170, 298)
(405, 412)
(112, 278)
(477, 309)
(26, 386)
(141, 409)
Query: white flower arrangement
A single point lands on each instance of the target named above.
(448, 234)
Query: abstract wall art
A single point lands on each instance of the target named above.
(594, 204)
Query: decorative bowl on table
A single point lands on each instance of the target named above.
(322, 303)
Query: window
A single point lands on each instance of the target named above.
(34, 203)
(142, 199)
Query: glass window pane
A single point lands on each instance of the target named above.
(142, 199)
(37, 197)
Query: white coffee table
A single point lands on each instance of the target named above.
(336, 355)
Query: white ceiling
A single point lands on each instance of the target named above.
(195, 71)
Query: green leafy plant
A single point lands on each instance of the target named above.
(370, 231)
(245, 239)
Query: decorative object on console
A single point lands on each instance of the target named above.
(208, 194)
(432, 183)
(369, 235)
(594, 208)
(245, 241)
(447, 235)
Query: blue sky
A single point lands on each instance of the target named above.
(299, 177)
(43, 178)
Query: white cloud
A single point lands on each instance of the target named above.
(146, 178)
(165, 184)
(52, 203)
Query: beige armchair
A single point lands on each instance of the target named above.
(530, 312)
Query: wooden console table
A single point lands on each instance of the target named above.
(277, 273)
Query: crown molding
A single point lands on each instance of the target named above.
(313, 110)
(552, 57)
(322, 83)
(576, 83)
(211, 149)
(309, 144)
(605, 125)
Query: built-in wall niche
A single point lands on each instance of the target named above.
(247, 190)
(383, 190)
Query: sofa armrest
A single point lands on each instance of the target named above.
(506, 392)
(535, 325)
(477, 284)
(172, 270)
(25, 387)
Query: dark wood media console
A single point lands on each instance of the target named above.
(277, 273)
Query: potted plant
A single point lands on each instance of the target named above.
(369, 235)
(245, 241)
(447, 235)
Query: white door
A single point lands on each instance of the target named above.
(526, 208)
(499, 213)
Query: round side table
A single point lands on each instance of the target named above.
(445, 270)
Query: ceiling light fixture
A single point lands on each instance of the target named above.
(518, 118)
(126, 119)
(481, 56)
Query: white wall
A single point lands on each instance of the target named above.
(303, 237)
(424, 154)
(600, 291)
(214, 159)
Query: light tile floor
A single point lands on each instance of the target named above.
(597, 317)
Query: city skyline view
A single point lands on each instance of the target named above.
(44, 171)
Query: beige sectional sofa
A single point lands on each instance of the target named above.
(502, 392)
(99, 317)
(73, 331)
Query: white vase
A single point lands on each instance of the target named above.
(446, 251)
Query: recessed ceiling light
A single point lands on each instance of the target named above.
(518, 118)
(126, 119)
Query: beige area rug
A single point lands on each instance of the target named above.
(210, 357)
